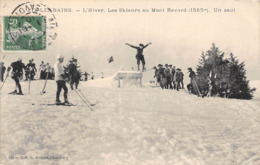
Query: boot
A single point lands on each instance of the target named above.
(20, 93)
(67, 102)
(58, 102)
(144, 68)
(14, 92)
(138, 67)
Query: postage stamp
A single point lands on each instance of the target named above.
(24, 33)
(30, 27)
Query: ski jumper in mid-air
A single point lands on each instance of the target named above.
(139, 56)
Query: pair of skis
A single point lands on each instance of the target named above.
(84, 99)
(196, 86)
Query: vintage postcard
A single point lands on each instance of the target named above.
(143, 82)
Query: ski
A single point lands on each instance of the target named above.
(92, 104)
(83, 99)
(197, 88)
(54, 104)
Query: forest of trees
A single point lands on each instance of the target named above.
(227, 76)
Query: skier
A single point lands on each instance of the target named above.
(170, 67)
(173, 78)
(192, 76)
(30, 70)
(42, 70)
(48, 71)
(73, 74)
(92, 77)
(86, 76)
(139, 56)
(60, 79)
(17, 71)
(162, 76)
(167, 74)
(27, 71)
(110, 59)
(33, 68)
(2, 71)
(52, 74)
(181, 79)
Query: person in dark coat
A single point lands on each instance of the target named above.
(74, 74)
(2, 71)
(139, 56)
(86, 76)
(192, 76)
(92, 77)
(30, 70)
(162, 76)
(167, 73)
(181, 79)
(177, 78)
(17, 71)
(173, 77)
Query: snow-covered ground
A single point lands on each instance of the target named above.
(130, 125)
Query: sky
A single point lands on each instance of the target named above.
(177, 38)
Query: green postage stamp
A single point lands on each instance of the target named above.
(24, 33)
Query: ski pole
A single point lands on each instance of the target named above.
(42, 92)
(29, 82)
(7, 74)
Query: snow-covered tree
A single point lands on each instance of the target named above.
(226, 74)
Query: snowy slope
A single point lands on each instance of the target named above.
(128, 126)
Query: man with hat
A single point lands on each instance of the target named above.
(42, 70)
(139, 56)
(181, 79)
(17, 72)
(192, 73)
(156, 73)
(167, 74)
(173, 77)
(170, 66)
(162, 76)
(30, 70)
(192, 76)
(60, 80)
(73, 73)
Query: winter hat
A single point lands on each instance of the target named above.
(141, 45)
(166, 64)
(59, 56)
(190, 69)
(160, 65)
(178, 69)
